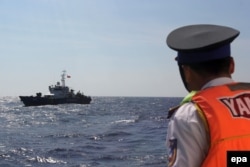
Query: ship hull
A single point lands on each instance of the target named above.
(39, 101)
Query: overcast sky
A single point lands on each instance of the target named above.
(108, 47)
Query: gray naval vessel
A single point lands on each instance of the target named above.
(59, 94)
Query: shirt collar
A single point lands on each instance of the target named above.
(217, 82)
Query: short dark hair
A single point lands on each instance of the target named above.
(213, 67)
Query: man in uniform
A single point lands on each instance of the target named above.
(207, 123)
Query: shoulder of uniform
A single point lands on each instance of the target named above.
(185, 110)
(186, 99)
(172, 110)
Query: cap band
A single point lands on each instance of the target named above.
(197, 57)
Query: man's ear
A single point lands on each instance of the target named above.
(187, 73)
(232, 66)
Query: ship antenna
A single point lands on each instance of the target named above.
(63, 78)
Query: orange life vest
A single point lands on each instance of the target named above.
(227, 112)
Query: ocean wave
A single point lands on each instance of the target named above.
(118, 134)
(61, 135)
(126, 121)
(48, 160)
(132, 159)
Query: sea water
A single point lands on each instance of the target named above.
(109, 132)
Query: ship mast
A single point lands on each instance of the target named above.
(63, 78)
